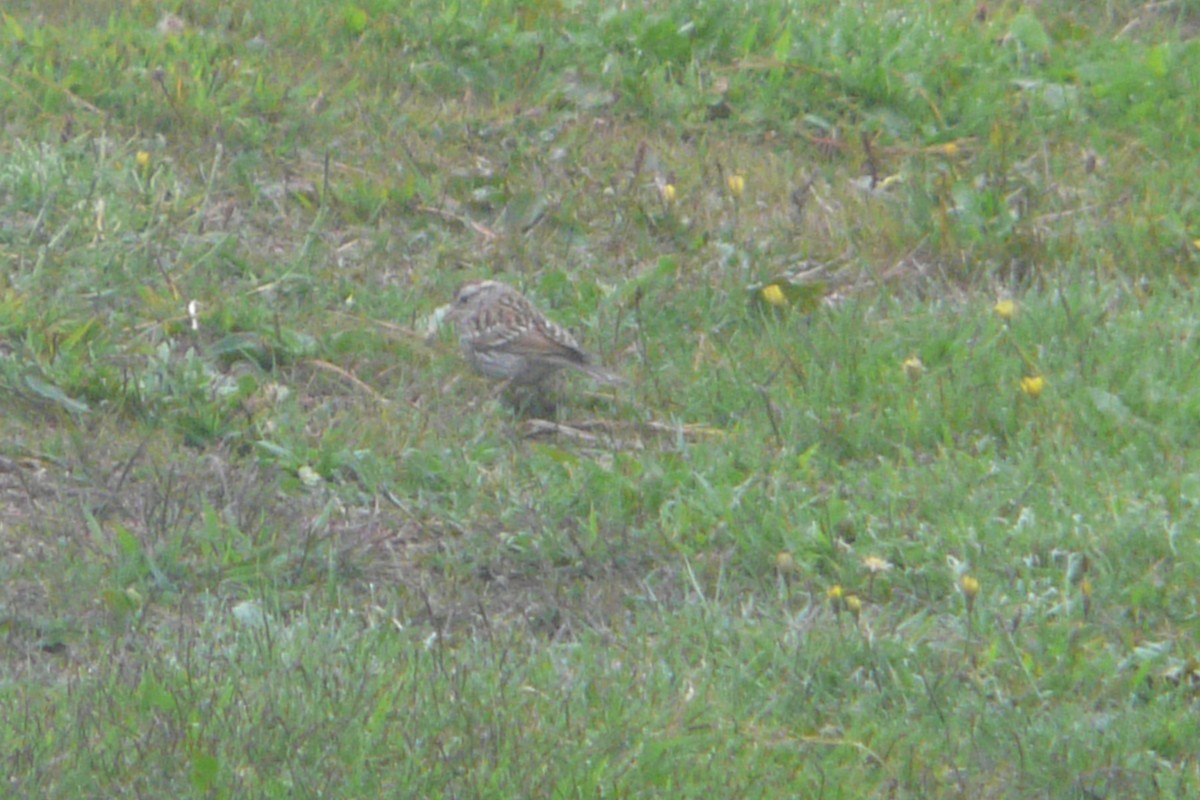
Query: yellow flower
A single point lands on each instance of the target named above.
(1033, 385)
(1196, 243)
(854, 605)
(950, 149)
(970, 589)
(774, 295)
(785, 562)
(1005, 309)
(668, 192)
(835, 594)
(143, 159)
(736, 184)
(914, 367)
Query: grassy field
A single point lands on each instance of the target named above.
(902, 498)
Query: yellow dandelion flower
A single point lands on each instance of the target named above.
(1005, 309)
(1032, 386)
(854, 605)
(970, 589)
(773, 295)
(835, 595)
(142, 158)
(668, 192)
(914, 367)
(736, 184)
(950, 149)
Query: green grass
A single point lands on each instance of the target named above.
(262, 538)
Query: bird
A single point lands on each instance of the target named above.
(505, 337)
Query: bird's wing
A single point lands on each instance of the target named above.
(543, 340)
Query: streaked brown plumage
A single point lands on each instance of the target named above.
(505, 337)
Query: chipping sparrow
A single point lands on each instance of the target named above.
(505, 337)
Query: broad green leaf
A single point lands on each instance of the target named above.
(1157, 60)
(55, 395)
(1028, 32)
(355, 19)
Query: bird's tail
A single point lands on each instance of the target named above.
(600, 374)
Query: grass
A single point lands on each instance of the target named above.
(262, 537)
